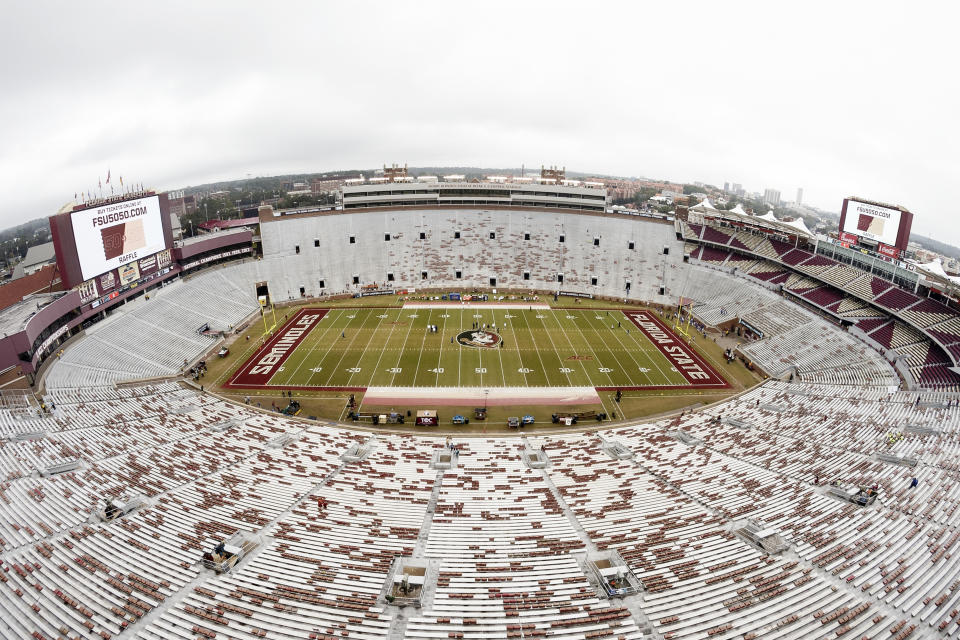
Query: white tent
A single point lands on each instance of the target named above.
(799, 226)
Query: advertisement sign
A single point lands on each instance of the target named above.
(849, 238)
(163, 258)
(107, 281)
(147, 264)
(116, 234)
(128, 273)
(872, 221)
(87, 290)
(887, 250)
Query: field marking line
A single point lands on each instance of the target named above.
(499, 348)
(443, 332)
(349, 345)
(288, 326)
(330, 347)
(656, 350)
(318, 340)
(536, 349)
(557, 353)
(596, 359)
(612, 352)
(383, 349)
(423, 341)
(460, 351)
(629, 353)
(516, 341)
(219, 381)
(716, 380)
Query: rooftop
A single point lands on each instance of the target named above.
(15, 317)
(46, 279)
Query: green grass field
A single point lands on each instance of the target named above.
(368, 347)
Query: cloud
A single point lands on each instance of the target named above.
(839, 99)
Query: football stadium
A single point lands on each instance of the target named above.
(493, 408)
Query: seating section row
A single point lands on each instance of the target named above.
(929, 347)
(505, 547)
(153, 337)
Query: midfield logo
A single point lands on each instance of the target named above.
(479, 339)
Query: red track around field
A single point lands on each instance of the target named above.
(684, 359)
(262, 365)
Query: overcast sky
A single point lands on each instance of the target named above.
(838, 98)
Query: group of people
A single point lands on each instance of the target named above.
(454, 449)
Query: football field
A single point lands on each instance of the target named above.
(357, 348)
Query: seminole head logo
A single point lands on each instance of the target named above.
(479, 338)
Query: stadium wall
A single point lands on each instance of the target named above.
(307, 251)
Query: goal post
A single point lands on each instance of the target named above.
(681, 323)
(269, 315)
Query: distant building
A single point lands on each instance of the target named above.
(800, 195)
(726, 187)
(552, 175)
(182, 205)
(495, 191)
(395, 173)
(325, 185)
(38, 256)
(771, 197)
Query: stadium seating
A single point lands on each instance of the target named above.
(669, 510)
(152, 338)
(506, 548)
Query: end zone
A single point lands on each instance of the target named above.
(262, 365)
(688, 362)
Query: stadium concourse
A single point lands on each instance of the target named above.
(822, 507)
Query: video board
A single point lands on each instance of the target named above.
(116, 234)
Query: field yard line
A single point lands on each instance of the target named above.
(503, 376)
(653, 347)
(536, 349)
(383, 350)
(519, 357)
(404, 348)
(329, 348)
(443, 332)
(480, 355)
(318, 343)
(350, 344)
(629, 353)
(554, 345)
(459, 351)
(596, 359)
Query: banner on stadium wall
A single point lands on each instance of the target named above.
(574, 294)
(147, 264)
(107, 281)
(887, 250)
(128, 273)
(849, 238)
(163, 258)
(87, 291)
(225, 254)
(381, 292)
(53, 338)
